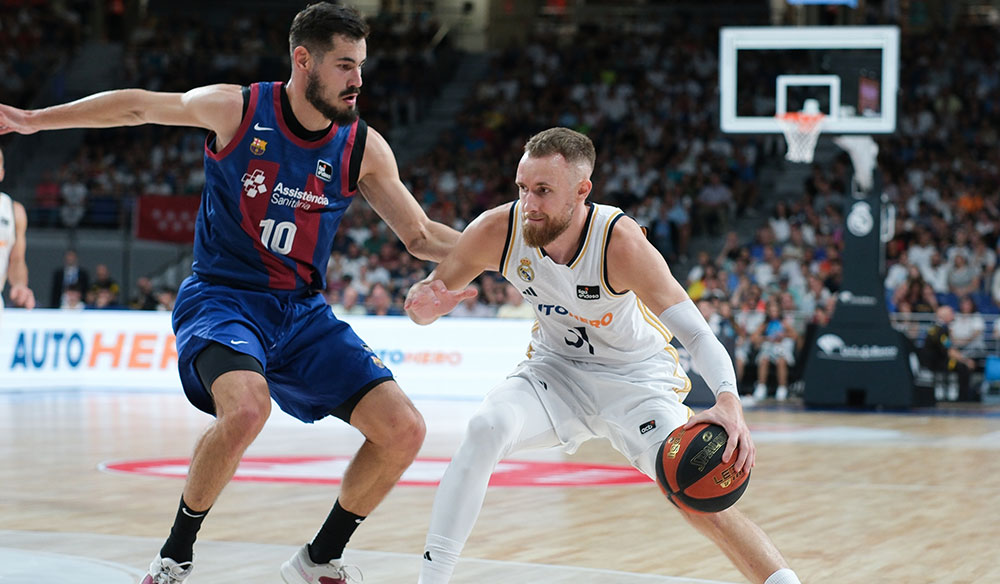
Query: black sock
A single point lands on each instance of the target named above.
(329, 543)
(179, 547)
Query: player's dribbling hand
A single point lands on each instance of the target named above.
(728, 413)
(426, 301)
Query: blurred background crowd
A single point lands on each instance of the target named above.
(757, 247)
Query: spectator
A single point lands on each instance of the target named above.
(145, 296)
(379, 302)
(713, 207)
(939, 354)
(349, 302)
(515, 306)
(70, 274)
(914, 295)
(778, 339)
(104, 299)
(165, 299)
(103, 281)
(968, 329)
(473, 307)
(963, 278)
(72, 298)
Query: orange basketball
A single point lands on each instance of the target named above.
(691, 473)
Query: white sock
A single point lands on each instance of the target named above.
(440, 556)
(783, 576)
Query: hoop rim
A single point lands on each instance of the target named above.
(800, 118)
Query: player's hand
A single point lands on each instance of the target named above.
(21, 295)
(728, 413)
(13, 119)
(426, 301)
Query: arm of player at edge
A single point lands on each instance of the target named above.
(212, 107)
(634, 264)
(17, 269)
(478, 249)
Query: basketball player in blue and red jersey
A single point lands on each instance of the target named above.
(283, 161)
(599, 364)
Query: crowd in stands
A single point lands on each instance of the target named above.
(36, 38)
(166, 52)
(661, 157)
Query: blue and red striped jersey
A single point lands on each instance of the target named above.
(272, 201)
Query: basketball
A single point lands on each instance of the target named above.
(691, 473)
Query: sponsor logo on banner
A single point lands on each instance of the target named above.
(834, 348)
(53, 350)
(848, 297)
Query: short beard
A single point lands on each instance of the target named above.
(544, 234)
(314, 95)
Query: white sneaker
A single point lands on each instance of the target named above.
(167, 571)
(781, 394)
(301, 570)
(760, 392)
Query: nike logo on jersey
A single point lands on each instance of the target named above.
(427, 556)
(261, 128)
(238, 342)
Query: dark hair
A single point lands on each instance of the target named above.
(315, 26)
(572, 145)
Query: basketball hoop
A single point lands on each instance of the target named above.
(801, 131)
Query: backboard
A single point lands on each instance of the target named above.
(852, 71)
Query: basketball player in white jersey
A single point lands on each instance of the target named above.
(599, 364)
(13, 269)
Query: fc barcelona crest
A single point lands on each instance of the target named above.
(524, 271)
(258, 146)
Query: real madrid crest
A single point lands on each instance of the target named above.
(524, 271)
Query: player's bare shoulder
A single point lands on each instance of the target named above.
(626, 239)
(486, 237)
(378, 159)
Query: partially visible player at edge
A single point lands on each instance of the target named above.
(282, 162)
(599, 364)
(13, 243)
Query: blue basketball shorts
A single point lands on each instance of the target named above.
(314, 363)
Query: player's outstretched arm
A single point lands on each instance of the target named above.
(385, 192)
(17, 269)
(214, 107)
(478, 249)
(634, 264)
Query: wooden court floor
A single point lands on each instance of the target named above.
(848, 498)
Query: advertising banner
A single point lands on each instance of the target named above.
(134, 351)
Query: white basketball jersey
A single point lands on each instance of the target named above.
(578, 315)
(7, 234)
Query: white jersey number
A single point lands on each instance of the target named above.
(278, 238)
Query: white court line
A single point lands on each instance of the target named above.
(213, 559)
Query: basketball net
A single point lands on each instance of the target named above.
(864, 154)
(801, 133)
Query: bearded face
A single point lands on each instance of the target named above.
(542, 233)
(315, 90)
